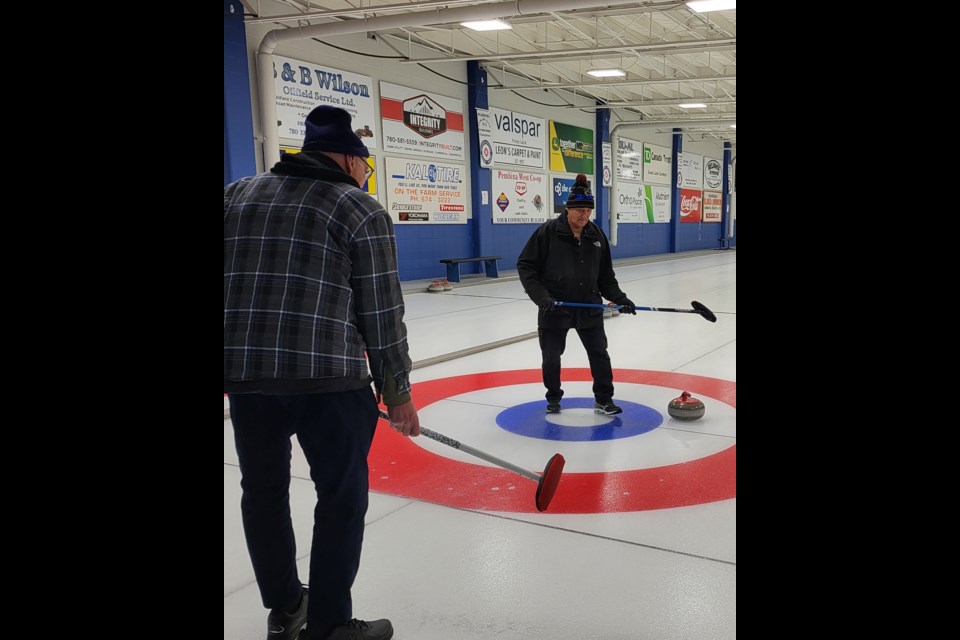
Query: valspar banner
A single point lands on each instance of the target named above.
(519, 196)
(301, 86)
(516, 139)
(423, 124)
(629, 159)
(571, 148)
(656, 164)
(425, 192)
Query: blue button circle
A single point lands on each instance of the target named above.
(530, 420)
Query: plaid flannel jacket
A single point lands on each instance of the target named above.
(310, 283)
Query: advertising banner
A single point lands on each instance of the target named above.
(300, 86)
(425, 192)
(712, 173)
(691, 170)
(690, 205)
(485, 134)
(629, 159)
(515, 139)
(519, 197)
(606, 152)
(656, 164)
(571, 148)
(657, 203)
(712, 206)
(423, 124)
(630, 202)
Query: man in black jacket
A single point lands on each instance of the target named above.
(568, 259)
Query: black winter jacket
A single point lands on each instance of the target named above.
(554, 264)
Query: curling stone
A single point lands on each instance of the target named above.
(686, 407)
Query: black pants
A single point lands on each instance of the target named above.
(553, 342)
(335, 431)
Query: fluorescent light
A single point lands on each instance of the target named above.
(692, 105)
(605, 73)
(705, 6)
(486, 25)
(733, 126)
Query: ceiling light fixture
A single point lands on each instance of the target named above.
(733, 126)
(692, 105)
(705, 6)
(606, 73)
(486, 25)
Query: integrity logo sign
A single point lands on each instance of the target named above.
(424, 116)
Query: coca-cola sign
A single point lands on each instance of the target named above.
(690, 200)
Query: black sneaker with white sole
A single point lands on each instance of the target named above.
(285, 624)
(606, 408)
(355, 630)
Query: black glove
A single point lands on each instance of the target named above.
(627, 306)
(548, 305)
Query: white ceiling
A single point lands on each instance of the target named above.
(671, 54)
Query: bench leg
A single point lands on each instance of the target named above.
(453, 272)
(491, 266)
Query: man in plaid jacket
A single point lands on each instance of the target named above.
(312, 314)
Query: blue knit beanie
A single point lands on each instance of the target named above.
(328, 129)
(580, 195)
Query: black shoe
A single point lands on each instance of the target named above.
(607, 408)
(356, 630)
(553, 407)
(285, 625)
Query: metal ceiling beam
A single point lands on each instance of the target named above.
(661, 103)
(673, 122)
(616, 83)
(665, 48)
(368, 10)
(588, 14)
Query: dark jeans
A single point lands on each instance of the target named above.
(553, 342)
(335, 431)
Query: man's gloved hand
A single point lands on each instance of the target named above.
(627, 306)
(548, 305)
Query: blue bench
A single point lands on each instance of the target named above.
(453, 266)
